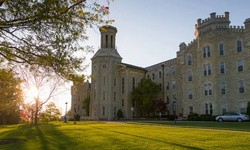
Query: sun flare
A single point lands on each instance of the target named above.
(32, 93)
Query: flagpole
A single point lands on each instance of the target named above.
(108, 9)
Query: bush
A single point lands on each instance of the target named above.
(172, 117)
(193, 117)
(206, 117)
(119, 114)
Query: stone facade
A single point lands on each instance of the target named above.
(210, 75)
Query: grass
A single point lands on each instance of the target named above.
(128, 135)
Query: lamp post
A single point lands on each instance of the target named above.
(65, 117)
(132, 109)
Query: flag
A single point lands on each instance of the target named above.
(105, 9)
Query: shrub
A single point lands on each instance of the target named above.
(193, 117)
(119, 114)
(205, 117)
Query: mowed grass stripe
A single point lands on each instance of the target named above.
(101, 135)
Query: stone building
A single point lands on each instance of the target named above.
(210, 75)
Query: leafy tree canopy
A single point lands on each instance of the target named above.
(10, 93)
(145, 93)
(47, 33)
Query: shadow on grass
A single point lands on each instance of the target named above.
(152, 139)
(37, 137)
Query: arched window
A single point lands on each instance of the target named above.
(221, 49)
(239, 46)
(190, 77)
(159, 74)
(189, 60)
(222, 67)
(167, 72)
(173, 71)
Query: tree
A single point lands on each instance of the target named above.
(42, 84)
(86, 104)
(157, 106)
(10, 96)
(145, 93)
(48, 33)
(248, 109)
(51, 113)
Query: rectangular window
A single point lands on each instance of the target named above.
(211, 108)
(160, 87)
(223, 88)
(204, 53)
(223, 108)
(206, 108)
(240, 65)
(173, 85)
(103, 96)
(168, 86)
(222, 68)
(122, 85)
(242, 107)
(103, 111)
(208, 51)
(167, 72)
(191, 109)
(205, 90)
(190, 76)
(159, 74)
(190, 94)
(209, 71)
(239, 46)
(173, 71)
(210, 89)
(205, 70)
(241, 86)
(221, 47)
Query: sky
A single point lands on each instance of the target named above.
(150, 31)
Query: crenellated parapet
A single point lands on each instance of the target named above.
(183, 46)
(212, 23)
(191, 44)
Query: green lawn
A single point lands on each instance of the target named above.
(128, 135)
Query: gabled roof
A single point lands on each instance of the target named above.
(133, 67)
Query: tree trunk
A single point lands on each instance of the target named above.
(36, 112)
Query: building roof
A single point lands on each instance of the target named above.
(133, 67)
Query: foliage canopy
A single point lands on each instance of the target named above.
(10, 94)
(47, 33)
(145, 93)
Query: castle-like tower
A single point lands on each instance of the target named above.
(104, 76)
(210, 75)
